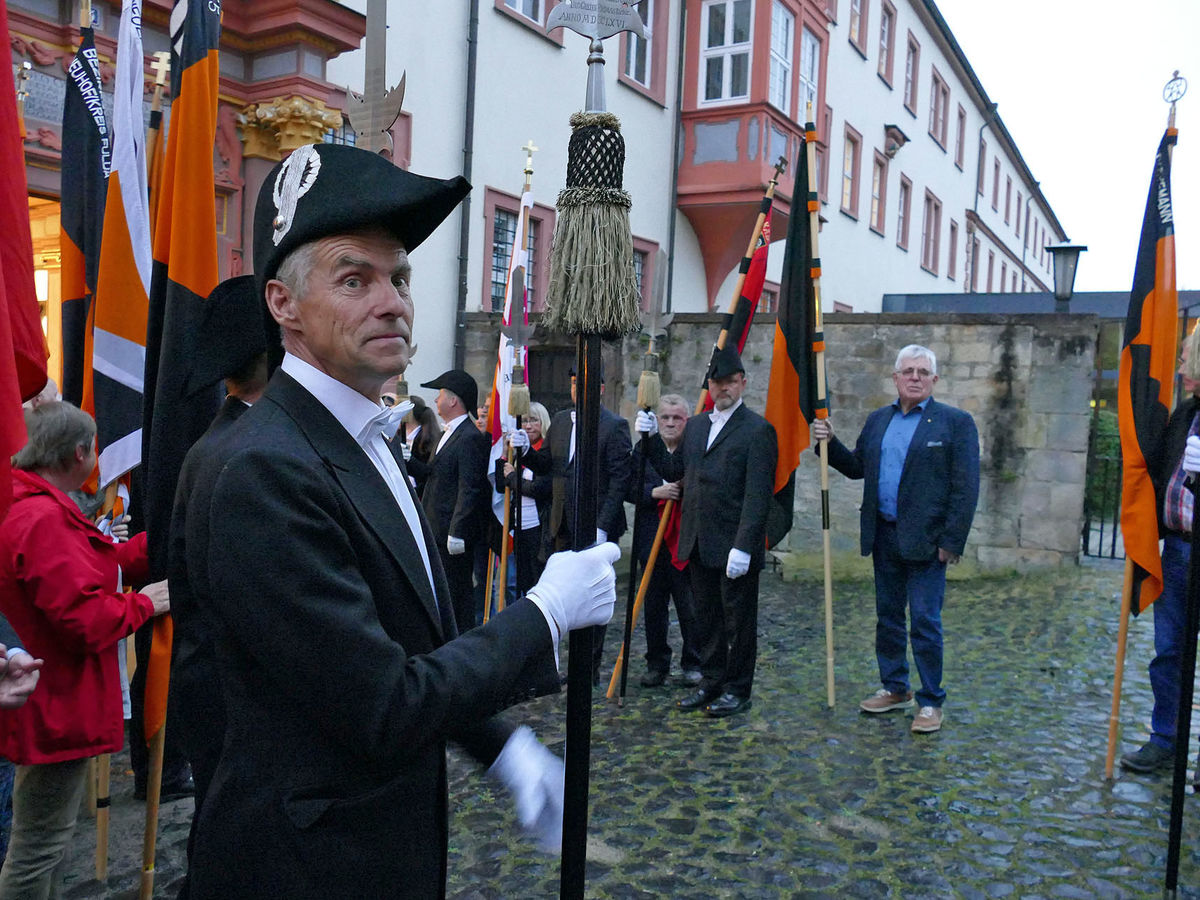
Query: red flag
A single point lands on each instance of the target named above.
(184, 274)
(1147, 376)
(755, 268)
(22, 343)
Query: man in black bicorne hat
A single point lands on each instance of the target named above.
(316, 572)
(727, 462)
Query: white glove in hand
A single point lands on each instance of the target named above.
(577, 589)
(406, 451)
(455, 546)
(120, 529)
(646, 423)
(519, 440)
(1191, 455)
(601, 535)
(534, 777)
(738, 564)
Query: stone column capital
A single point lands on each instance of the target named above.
(273, 129)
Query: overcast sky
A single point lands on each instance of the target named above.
(1079, 84)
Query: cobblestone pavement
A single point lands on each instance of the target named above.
(793, 799)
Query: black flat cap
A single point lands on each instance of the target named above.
(573, 373)
(458, 382)
(725, 362)
(235, 328)
(326, 189)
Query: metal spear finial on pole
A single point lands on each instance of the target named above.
(592, 294)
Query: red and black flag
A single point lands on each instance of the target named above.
(86, 158)
(1147, 376)
(792, 390)
(754, 267)
(22, 343)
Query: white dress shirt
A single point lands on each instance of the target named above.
(718, 419)
(355, 413)
(450, 426)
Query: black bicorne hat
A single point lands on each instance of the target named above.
(327, 189)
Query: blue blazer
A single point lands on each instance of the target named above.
(939, 486)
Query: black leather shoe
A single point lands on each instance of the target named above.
(695, 700)
(727, 705)
(1147, 759)
(654, 678)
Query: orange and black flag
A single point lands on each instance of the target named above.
(184, 272)
(22, 344)
(792, 390)
(1147, 376)
(86, 159)
(123, 282)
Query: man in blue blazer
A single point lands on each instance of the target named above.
(920, 463)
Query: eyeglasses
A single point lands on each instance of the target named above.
(910, 371)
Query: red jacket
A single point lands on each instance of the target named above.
(58, 588)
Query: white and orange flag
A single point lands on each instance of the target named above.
(123, 281)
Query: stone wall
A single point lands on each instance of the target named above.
(1027, 380)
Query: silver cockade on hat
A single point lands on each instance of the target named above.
(295, 179)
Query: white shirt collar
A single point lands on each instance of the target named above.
(718, 415)
(352, 410)
(455, 422)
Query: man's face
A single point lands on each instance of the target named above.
(573, 400)
(671, 419)
(448, 405)
(354, 321)
(726, 391)
(1192, 387)
(914, 380)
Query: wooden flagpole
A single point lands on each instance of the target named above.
(665, 514)
(821, 412)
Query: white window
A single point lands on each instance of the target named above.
(887, 38)
(905, 207)
(783, 26)
(530, 9)
(725, 64)
(810, 62)
(912, 60)
(637, 49)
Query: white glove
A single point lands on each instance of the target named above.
(738, 564)
(577, 589)
(120, 529)
(455, 546)
(821, 430)
(406, 451)
(1191, 455)
(601, 535)
(519, 440)
(534, 777)
(646, 423)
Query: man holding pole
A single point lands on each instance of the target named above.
(920, 463)
(343, 670)
(727, 462)
(670, 579)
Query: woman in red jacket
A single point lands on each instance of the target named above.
(59, 587)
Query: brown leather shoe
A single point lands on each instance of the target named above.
(927, 719)
(884, 700)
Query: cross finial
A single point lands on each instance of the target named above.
(161, 67)
(529, 151)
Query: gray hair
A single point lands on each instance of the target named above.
(916, 351)
(675, 400)
(294, 271)
(56, 430)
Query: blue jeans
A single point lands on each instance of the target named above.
(918, 588)
(1170, 623)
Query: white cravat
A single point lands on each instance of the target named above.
(718, 419)
(571, 446)
(365, 421)
(450, 426)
